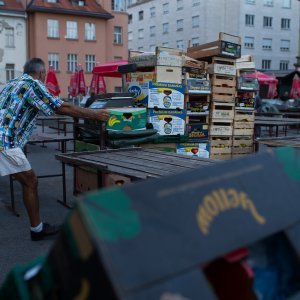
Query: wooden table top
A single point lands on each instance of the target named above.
(136, 162)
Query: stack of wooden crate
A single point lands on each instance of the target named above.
(221, 55)
(247, 87)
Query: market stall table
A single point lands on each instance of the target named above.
(276, 122)
(42, 139)
(56, 118)
(135, 163)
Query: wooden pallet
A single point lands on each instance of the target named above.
(222, 110)
(220, 127)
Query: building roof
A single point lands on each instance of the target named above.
(11, 6)
(90, 8)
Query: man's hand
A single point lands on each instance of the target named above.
(103, 114)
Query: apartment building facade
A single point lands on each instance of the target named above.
(12, 40)
(269, 29)
(64, 33)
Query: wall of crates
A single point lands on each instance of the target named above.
(201, 102)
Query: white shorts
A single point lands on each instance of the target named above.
(13, 161)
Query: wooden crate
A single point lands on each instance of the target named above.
(194, 63)
(219, 80)
(227, 45)
(243, 131)
(220, 141)
(244, 116)
(242, 145)
(194, 118)
(220, 156)
(222, 110)
(223, 66)
(220, 127)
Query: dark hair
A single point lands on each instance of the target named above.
(34, 65)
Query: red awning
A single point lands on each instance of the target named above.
(110, 69)
(262, 78)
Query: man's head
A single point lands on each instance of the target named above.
(35, 67)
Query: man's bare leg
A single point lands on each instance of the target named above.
(29, 184)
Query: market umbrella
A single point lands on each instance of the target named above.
(77, 87)
(51, 82)
(295, 90)
(73, 88)
(97, 84)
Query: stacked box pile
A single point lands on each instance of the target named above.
(157, 85)
(243, 132)
(221, 55)
(197, 92)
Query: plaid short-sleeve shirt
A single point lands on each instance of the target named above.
(20, 102)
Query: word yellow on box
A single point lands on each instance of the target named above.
(168, 122)
(166, 95)
(127, 118)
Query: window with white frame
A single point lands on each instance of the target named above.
(179, 44)
(179, 24)
(141, 15)
(268, 2)
(250, 1)
(118, 5)
(9, 71)
(152, 48)
(53, 28)
(118, 89)
(118, 35)
(130, 35)
(179, 4)
(53, 60)
(90, 62)
(72, 30)
(195, 41)
(285, 45)
(267, 44)
(286, 3)
(166, 8)
(129, 19)
(266, 64)
(152, 12)
(141, 33)
(165, 27)
(195, 21)
(9, 37)
(152, 30)
(72, 62)
(196, 2)
(267, 22)
(249, 42)
(165, 44)
(285, 23)
(90, 31)
(249, 20)
(284, 65)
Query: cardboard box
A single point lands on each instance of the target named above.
(168, 122)
(166, 95)
(247, 84)
(127, 118)
(140, 92)
(140, 77)
(194, 149)
(168, 74)
(197, 131)
(198, 86)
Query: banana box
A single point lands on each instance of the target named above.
(127, 118)
(139, 91)
(193, 149)
(168, 122)
(166, 95)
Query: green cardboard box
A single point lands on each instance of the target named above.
(127, 118)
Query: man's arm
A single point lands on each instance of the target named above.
(79, 112)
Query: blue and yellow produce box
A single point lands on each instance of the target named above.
(140, 92)
(168, 122)
(166, 95)
(194, 149)
(127, 118)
